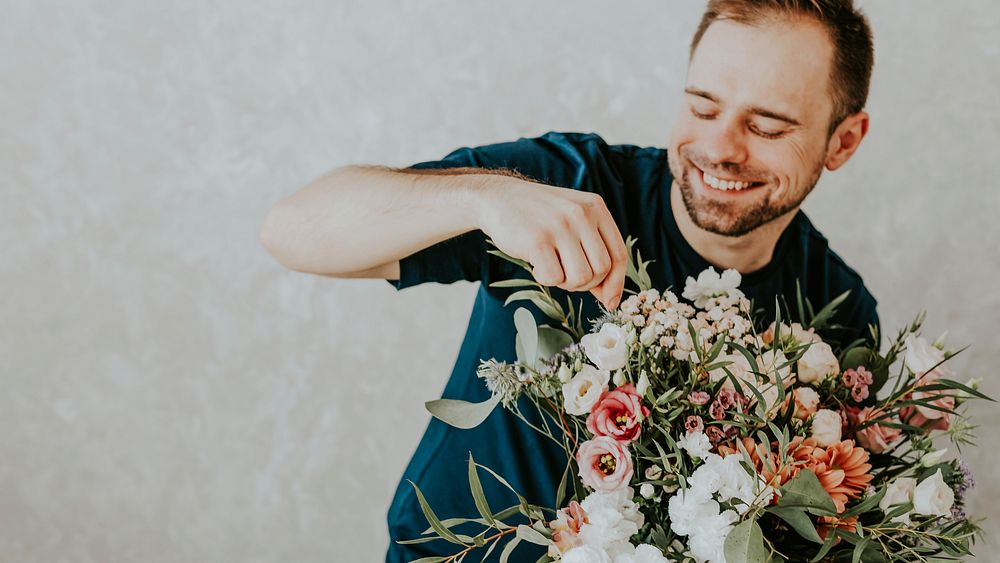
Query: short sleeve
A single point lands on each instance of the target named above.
(558, 159)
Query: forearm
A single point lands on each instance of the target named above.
(360, 217)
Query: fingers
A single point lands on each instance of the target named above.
(546, 268)
(611, 287)
(574, 264)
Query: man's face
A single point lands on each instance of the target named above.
(751, 138)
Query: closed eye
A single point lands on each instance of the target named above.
(700, 115)
(764, 133)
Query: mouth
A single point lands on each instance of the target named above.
(716, 184)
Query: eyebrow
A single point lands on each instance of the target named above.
(756, 110)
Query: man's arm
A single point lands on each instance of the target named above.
(359, 221)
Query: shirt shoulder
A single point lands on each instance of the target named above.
(830, 276)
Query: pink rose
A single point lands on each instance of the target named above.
(617, 414)
(926, 417)
(939, 420)
(875, 438)
(566, 526)
(605, 464)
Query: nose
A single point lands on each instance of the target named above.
(726, 143)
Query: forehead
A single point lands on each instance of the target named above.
(782, 66)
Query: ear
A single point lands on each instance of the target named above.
(846, 139)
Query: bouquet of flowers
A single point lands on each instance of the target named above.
(692, 435)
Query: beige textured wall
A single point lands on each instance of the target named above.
(169, 393)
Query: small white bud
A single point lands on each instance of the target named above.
(619, 378)
(565, 374)
(932, 458)
(643, 384)
(646, 490)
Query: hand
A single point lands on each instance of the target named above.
(568, 236)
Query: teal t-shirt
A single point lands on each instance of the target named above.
(635, 184)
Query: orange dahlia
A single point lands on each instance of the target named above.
(842, 469)
(828, 523)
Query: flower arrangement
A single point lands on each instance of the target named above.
(691, 436)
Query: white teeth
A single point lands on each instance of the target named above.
(724, 184)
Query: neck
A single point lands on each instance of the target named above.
(745, 254)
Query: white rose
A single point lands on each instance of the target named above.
(806, 402)
(817, 363)
(899, 491)
(933, 497)
(920, 356)
(696, 444)
(804, 335)
(608, 348)
(739, 367)
(583, 391)
(826, 427)
(585, 554)
(769, 363)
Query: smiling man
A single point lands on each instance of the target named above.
(774, 94)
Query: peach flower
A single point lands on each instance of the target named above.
(566, 527)
(876, 438)
(605, 464)
(618, 414)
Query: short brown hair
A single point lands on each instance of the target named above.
(849, 31)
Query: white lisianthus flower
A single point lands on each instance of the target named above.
(817, 363)
(899, 491)
(933, 497)
(607, 348)
(583, 391)
(586, 554)
(696, 444)
(920, 356)
(931, 458)
(709, 285)
(826, 427)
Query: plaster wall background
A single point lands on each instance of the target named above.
(170, 393)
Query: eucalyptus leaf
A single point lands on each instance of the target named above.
(433, 520)
(462, 414)
(514, 282)
(478, 495)
(508, 549)
(552, 341)
(798, 520)
(805, 491)
(526, 341)
(745, 543)
(529, 534)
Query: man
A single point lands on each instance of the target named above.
(775, 92)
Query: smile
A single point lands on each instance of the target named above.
(726, 184)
